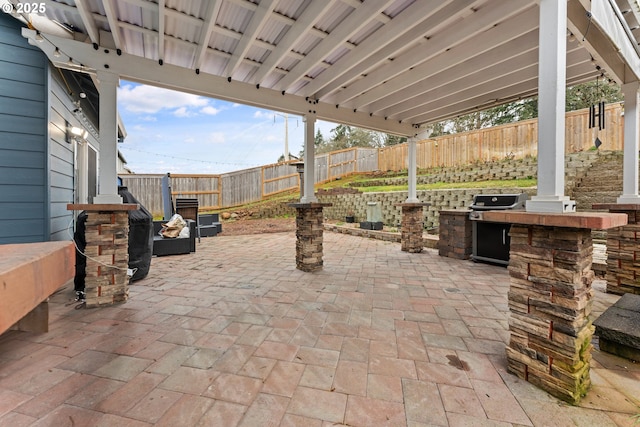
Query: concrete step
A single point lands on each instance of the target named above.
(600, 183)
(618, 328)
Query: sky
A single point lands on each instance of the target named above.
(175, 132)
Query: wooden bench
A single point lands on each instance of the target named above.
(29, 274)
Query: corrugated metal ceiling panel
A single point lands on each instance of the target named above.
(333, 17)
(356, 71)
(233, 17)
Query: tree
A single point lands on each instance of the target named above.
(586, 94)
(344, 136)
(319, 139)
(393, 140)
(291, 157)
(577, 97)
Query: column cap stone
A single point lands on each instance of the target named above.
(102, 207)
(591, 220)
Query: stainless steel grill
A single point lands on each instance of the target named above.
(491, 240)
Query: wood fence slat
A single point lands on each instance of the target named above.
(514, 140)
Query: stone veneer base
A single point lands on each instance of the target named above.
(412, 227)
(309, 229)
(623, 251)
(455, 237)
(550, 298)
(107, 251)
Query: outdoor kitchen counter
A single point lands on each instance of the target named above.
(592, 220)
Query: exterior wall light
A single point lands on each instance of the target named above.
(75, 134)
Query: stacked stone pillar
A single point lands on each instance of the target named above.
(550, 300)
(623, 251)
(412, 227)
(107, 252)
(550, 297)
(309, 235)
(455, 236)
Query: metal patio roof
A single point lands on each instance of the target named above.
(388, 65)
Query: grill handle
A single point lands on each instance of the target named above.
(494, 208)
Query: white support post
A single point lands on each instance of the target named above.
(309, 160)
(107, 165)
(631, 143)
(412, 197)
(551, 105)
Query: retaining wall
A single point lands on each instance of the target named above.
(392, 215)
(576, 165)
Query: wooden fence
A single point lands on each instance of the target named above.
(248, 185)
(514, 140)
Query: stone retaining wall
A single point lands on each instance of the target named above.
(576, 165)
(392, 215)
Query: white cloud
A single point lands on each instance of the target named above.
(259, 114)
(212, 111)
(181, 112)
(216, 137)
(150, 100)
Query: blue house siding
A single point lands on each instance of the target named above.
(61, 161)
(23, 138)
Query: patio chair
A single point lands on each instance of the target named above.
(188, 209)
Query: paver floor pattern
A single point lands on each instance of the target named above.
(234, 335)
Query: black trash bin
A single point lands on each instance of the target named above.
(140, 236)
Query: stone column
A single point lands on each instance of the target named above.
(623, 251)
(550, 301)
(412, 227)
(107, 252)
(309, 230)
(455, 237)
(550, 297)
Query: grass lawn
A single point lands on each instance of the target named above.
(519, 183)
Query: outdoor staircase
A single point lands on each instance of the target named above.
(602, 182)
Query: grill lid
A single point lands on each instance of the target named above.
(498, 201)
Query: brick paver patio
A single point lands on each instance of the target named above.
(235, 335)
